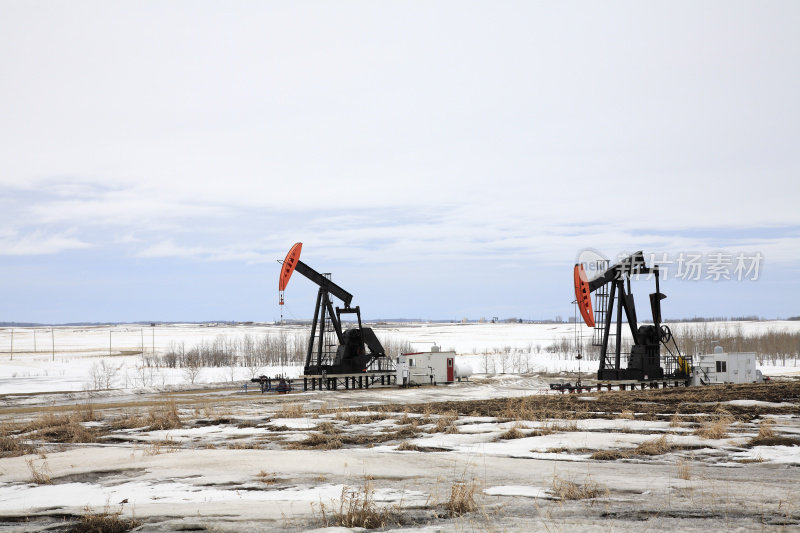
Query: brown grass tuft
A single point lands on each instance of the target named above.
(406, 446)
(610, 455)
(627, 414)
(12, 446)
(568, 490)
(40, 475)
(104, 522)
(164, 416)
(462, 498)
(657, 446)
(714, 429)
(684, 472)
(765, 428)
(357, 508)
(317, 441)
(326, 427)
(512, 433)
(291, 410)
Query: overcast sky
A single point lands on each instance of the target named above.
(441, 159)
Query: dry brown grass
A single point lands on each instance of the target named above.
(512, 433)
(610, 455)
(267, 478)
(716, 428)
(317, 441)
(104, 522)
(627, 414)
(291, 410)
(750, 460)
(64, 428)
(128, 420)
(446, 423)
(568, 490)
(164, 416)
(41, 474)
(657, 446)
(326, 427)
(157, 447)
(243, 446)
(675, 421)
(357, 508)
(12, 445)
(462, 498)
(684, 472)
(765, 428)
(405, 419)
(406, 446)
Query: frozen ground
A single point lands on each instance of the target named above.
(218, 459)
(262, 462)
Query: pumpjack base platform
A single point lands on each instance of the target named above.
(358, 380)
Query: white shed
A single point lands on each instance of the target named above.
(721, 367)
(426, 368)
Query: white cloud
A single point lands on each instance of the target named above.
(38, 243)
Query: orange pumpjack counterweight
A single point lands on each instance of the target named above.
(583, 295)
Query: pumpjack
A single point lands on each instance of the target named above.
(644, 359)
(356, 349)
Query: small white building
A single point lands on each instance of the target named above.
(426, 368)
(721, 367)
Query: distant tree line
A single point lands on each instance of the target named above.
(281, 349)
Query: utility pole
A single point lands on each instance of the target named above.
(34, 341)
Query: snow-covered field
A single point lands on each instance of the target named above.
(77, 358)
(179, 457)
